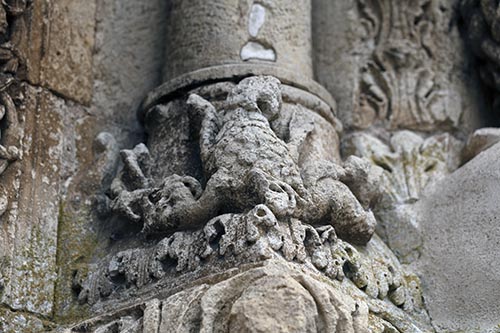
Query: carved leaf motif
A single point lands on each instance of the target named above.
(397, 84)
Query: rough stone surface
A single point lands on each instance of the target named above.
(46, 230)
(459, 222)
(235, 209)
(245, 163)
(254, 297)
(202, 34)
(392, 64)
(29, 229)
(410, 163)
(14, 322)
(58, 46)
(122, 74)
(250, 238)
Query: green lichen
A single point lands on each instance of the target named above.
(76, 246)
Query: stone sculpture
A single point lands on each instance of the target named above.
(260, 206)
(247, 164)
(247, 196)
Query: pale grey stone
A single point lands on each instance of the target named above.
(271, 296)
(479, 141)
(394, 64)
(460, 230)
(231, 24)
(245, 163)
(251, 220)
(409, 163)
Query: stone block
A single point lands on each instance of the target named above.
(460, 262)
(56, 42)
(28, 233)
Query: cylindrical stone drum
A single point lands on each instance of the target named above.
(202, 34)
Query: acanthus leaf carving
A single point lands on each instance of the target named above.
(398, 85)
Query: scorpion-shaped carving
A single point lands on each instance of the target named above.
(246, 164)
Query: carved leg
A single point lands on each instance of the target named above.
(280, 197)
(130, 204)
(174, 205)
(350, 220)
(333, 202)
(363, 179)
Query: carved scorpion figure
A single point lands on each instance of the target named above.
(246, 164)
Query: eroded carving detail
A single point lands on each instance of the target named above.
(371, 285)
(247, 164)
(10, 132)
(410, 164)
(252, 237)
(398, 85)
(263, 197)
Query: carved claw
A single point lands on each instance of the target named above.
(134, 161)
(363, 179)
(174, 205)
(210, 125)
(131, 205)
(275, 194)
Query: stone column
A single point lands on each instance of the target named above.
(249, 219)
(212, 45)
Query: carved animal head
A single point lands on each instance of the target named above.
(258, 94)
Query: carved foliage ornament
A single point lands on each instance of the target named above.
(9, 63)
(398, 85)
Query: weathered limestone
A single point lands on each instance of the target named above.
(234, 300)
(58, 45)
(234, 209)
(255, 180)
(46, 231)
(245, 163)
(391, 64)
(230, 39)
(459, 221)
(256, 177)
(398, 92)
(122, 74)
(31, 249)
(202, 35)
(22, 322)
(410, 163)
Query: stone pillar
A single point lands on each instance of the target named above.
(250, 220)
(225, 41)
(244, 35)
